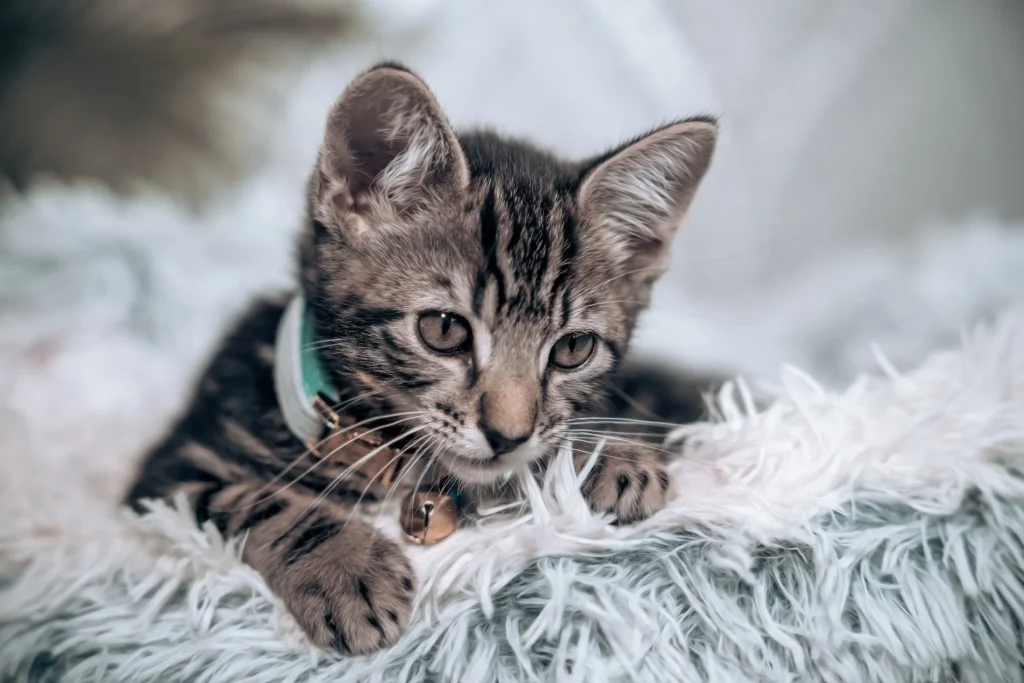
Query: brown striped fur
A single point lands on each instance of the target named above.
(406, 217)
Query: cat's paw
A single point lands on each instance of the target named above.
(353, 594)
(628, 481)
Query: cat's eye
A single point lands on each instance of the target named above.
(573, 350)
(445, 332)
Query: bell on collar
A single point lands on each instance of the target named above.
(429, 516)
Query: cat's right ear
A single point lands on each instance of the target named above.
(388, 151)
(634, 198)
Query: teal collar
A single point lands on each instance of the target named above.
(304, 390)
(305, 394)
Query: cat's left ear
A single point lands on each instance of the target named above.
(633, 199)
(388, 150)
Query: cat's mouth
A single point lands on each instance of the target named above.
(486, 468)
(476, 472)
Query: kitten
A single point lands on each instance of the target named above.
(469, 293)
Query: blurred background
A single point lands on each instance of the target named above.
(868, 188)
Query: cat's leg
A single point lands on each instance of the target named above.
(348, 586)
(629, 481)
(629, 478)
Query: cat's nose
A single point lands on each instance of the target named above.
(507, 415)
(500, 443)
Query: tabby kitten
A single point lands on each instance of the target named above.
(468, 296)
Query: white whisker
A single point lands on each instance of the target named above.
(621, 420)
(410, 416)
(337, 480)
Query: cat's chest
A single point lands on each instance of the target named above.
(394, 484)
(413, 499)
(372, 461)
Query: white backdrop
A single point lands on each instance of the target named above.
(850, 128)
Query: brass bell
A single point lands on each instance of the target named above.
(429, 516)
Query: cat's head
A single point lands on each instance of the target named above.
(485, 286)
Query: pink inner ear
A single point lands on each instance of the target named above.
(386, 113)
(647, 186)
(342, 202)
(369, 153)
(345, 202)
(362, 152)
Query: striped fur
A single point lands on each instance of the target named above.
(405, 218)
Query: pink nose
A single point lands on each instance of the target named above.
(501, 443)
(508, 410)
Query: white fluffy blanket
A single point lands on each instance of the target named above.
(873, 533)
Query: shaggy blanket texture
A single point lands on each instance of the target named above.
(875, 534)
(869, 534)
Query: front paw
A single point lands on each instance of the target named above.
(628, 481)
(353, 593)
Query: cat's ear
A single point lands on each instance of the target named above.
(388, 151)
(633, 199)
